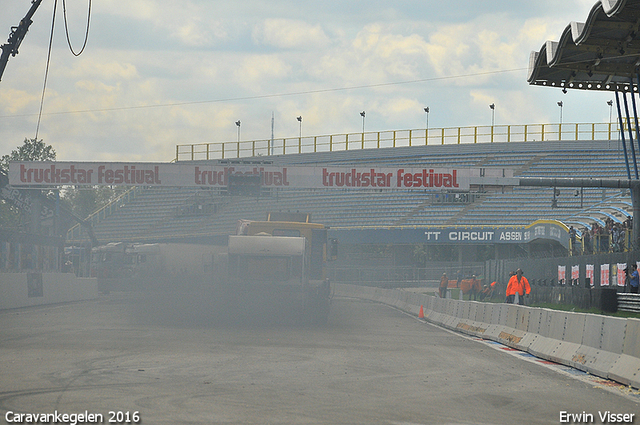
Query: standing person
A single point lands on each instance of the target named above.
(476, 288)
(459, 277)
(572, 238)
(586, 241)
(444, 284)
(518, 284)
(634, 279)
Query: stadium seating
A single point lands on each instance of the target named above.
(168, 213)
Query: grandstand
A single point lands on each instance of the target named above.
(162, 214)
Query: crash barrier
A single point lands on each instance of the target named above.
(608, 347)
(29, 289)
(629, 302)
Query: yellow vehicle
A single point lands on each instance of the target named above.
(284, 260)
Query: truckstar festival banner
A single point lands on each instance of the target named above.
(47, 174)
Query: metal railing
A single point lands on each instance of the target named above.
(603, 244)
(397, 138)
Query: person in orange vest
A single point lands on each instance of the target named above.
(518, 283)
(487, 291)
(444, 284)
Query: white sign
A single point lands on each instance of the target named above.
(604, 274)
(562, 272)
(198, 174)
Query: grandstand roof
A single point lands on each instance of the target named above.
(602, 53)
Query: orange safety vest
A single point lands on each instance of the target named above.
(444, 282)
(520, 287)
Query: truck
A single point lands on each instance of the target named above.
(283, 261)
(154, 266)
(277, 265)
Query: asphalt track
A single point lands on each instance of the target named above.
(173, 360)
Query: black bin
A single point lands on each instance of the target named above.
(609, 300)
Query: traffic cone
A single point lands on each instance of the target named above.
(421, 313)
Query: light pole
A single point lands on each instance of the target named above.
(426, 110)
(300, 121)
(362, 114)
(493, 114)
(560, 104)
(238, 124)
(610, 103)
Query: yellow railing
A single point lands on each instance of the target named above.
(397, 138)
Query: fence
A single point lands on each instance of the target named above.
(396, 138)
(399, 276)
(582, 297)
(603, 243)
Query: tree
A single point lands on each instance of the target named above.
(83, 201)
(31, 150)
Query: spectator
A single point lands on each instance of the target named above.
(572, 239)
(634, 279)
(586, 241)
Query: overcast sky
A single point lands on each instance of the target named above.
(156, 73)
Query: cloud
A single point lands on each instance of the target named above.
(256, 70)
(375, 55)
(289, 34)
(472, 48)
(200, 54)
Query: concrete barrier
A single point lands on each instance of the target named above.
(30, 289)
(498, 316)
(626, 368)
(588, 355)
(608, 347)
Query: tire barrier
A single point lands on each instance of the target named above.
(608, 347)
(629, 302)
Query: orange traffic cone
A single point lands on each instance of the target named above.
(421, 313)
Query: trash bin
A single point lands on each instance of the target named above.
(609, 300)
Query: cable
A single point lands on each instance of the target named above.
(66, 28)
(46, 72)
(266, 96)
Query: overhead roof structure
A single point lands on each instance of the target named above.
(603, 53)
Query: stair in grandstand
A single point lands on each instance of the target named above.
(529, 164)
(77, 233)
(412, 213)
(463, 212)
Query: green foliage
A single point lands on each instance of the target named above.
(31, 150)
(81, 201)
(9, 216)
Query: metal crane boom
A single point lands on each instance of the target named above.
(16, 36)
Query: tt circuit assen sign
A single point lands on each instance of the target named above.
(443, 235)
(39, 174)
